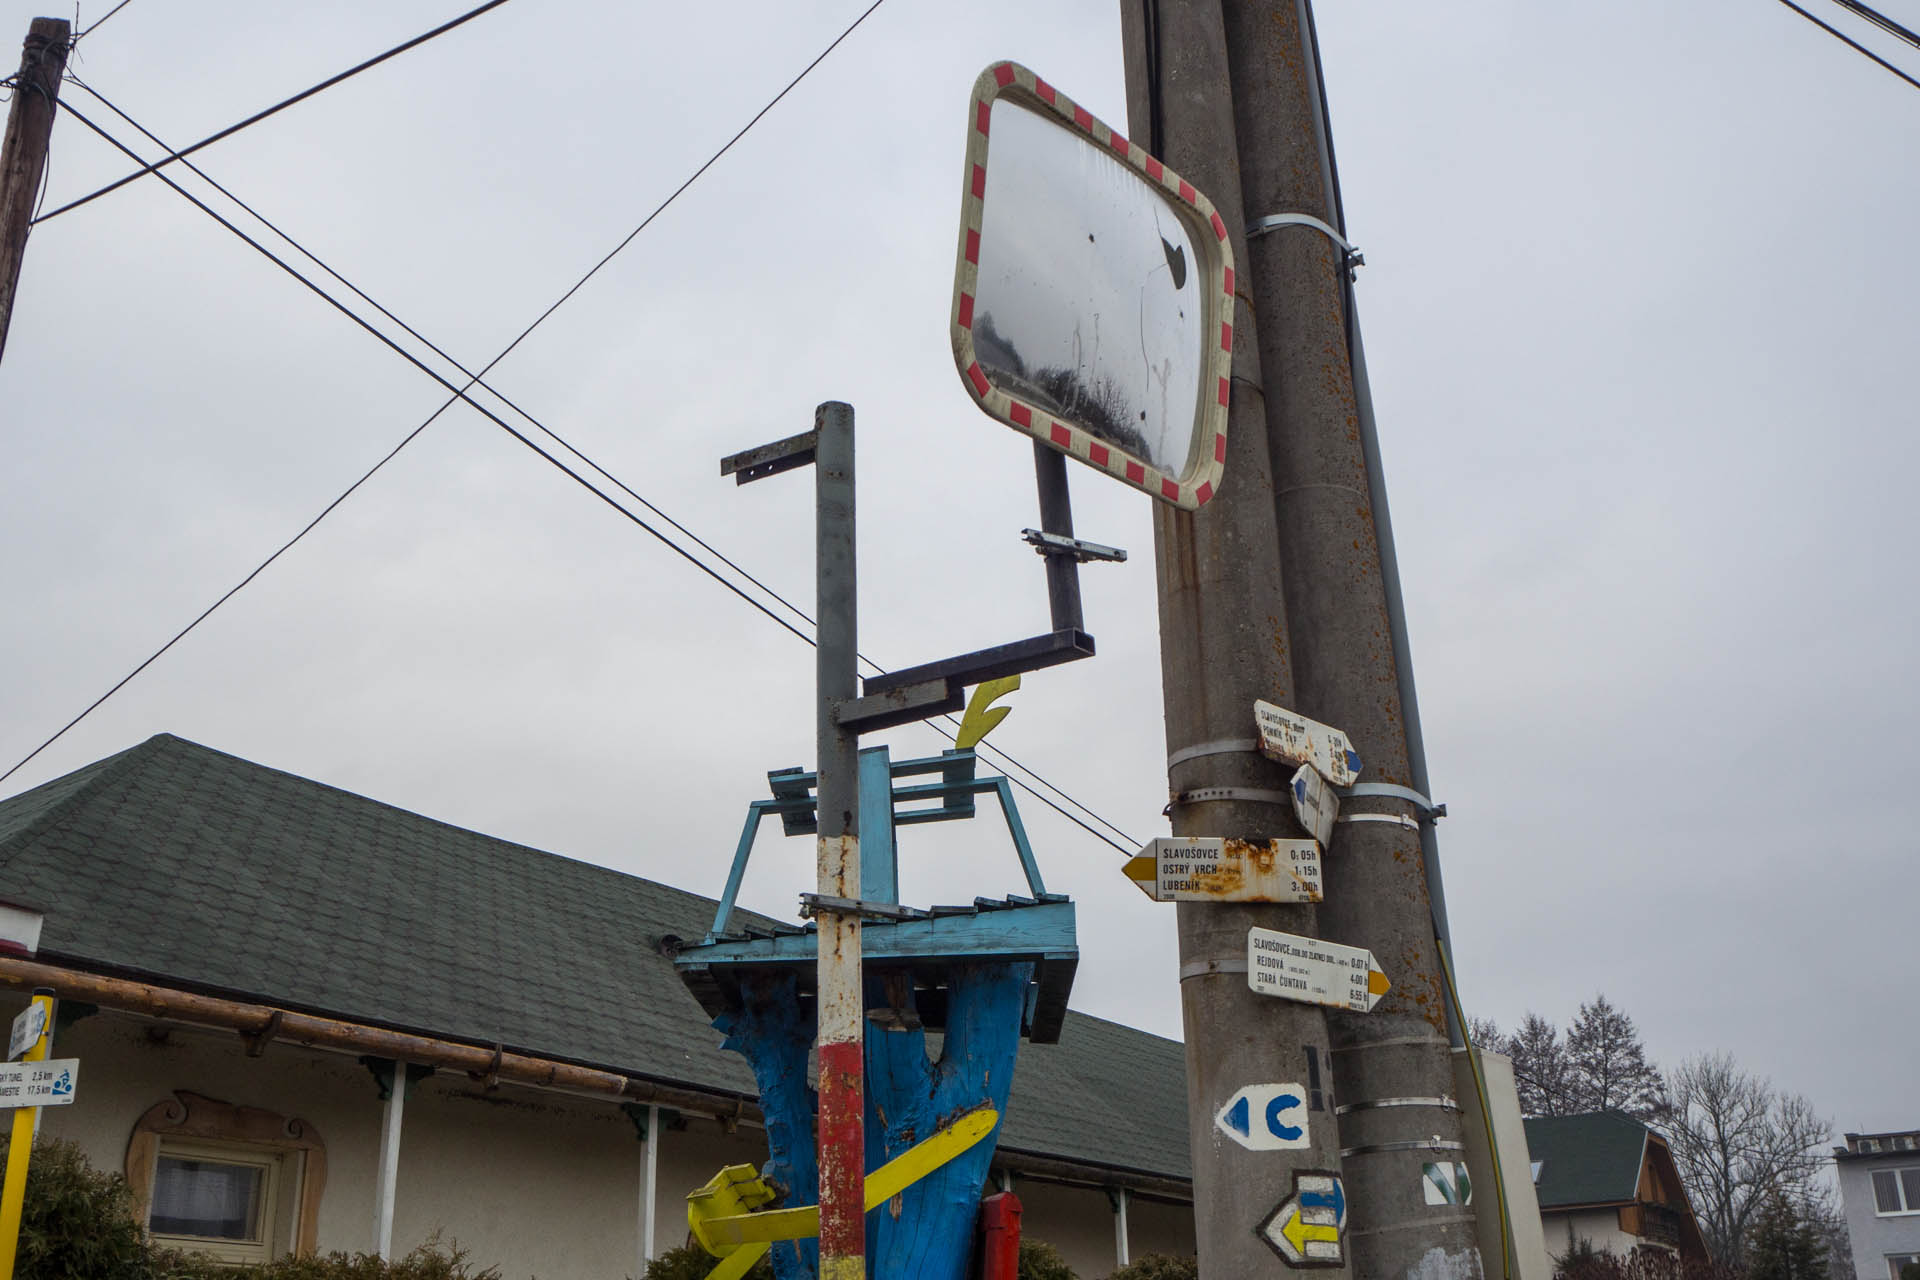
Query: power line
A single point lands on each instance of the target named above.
(258, 116)
(100, 22)
(478, 379)
(460, 394)
(1880, 20)
(1844, 38)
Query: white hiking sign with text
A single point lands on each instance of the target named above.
(1313, 972)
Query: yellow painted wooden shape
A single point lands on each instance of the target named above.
(736, 1189)
(738, 1231)
(978, 722)
(739, 1262)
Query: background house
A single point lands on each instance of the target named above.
(308, 1019)
(1608, 1179)
(1880, 1194)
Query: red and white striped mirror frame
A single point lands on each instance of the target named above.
(1201, 479)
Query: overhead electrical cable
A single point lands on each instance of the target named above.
(476, 379)
(1844, 38)
(278, 107)
(1881, 21)
(99, 22)
(460, 394)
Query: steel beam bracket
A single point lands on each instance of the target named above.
(812, 904)
(901, 705)
(1351, 259)
(771, 459)
(1055, 544)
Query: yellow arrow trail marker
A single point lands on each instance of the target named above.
(736, 1233)
(1304, 1229)
(979, 721)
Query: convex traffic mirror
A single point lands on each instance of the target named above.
(1093, 292)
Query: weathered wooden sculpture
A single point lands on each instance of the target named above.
(980, 976)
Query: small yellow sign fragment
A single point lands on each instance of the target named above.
(979, 721)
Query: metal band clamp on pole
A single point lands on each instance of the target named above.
(1375, 1104)
(1397, 819)
(1221, 747)
(1418, 1144)
(1257, 795)
(1428, 809)
(1352, 258)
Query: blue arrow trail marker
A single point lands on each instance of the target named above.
(1266, 1117)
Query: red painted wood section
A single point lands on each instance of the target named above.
(1000, 1237)
(843, 1152)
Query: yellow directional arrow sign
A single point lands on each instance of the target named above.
(736, 1233)
(1214, 869)
(1298, 1232)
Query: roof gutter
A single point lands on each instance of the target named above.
(260, 1023)
(1069, 1172)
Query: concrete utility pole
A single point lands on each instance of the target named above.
(1392, 1067)
(23, 156)
(1224, 643)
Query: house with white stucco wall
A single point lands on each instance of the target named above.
(1609, 1180)
(308, 1020)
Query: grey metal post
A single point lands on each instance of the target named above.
(1392, 1067)
(1223, 643)
(1056, 516)
(842, 1149)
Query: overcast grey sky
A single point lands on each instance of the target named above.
(1639, 306)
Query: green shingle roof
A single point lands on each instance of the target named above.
(178, 863)
(1587, 1159)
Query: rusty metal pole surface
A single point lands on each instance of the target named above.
(1392, 1068)
(1223, 643)
(23, 156)
(842, 1093)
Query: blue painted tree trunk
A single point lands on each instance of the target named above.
(770, 1033)
(926, 1232)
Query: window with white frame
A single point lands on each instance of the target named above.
(1896, 1191)
(1895, 1261)
(233, 1202)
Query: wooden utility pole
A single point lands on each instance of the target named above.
(23, 157)
(1224, 644)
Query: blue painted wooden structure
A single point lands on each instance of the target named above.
(987, 974)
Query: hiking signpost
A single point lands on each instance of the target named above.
(1311, 971)
(1291, 738)
(27, 1027)
(1216, 869)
